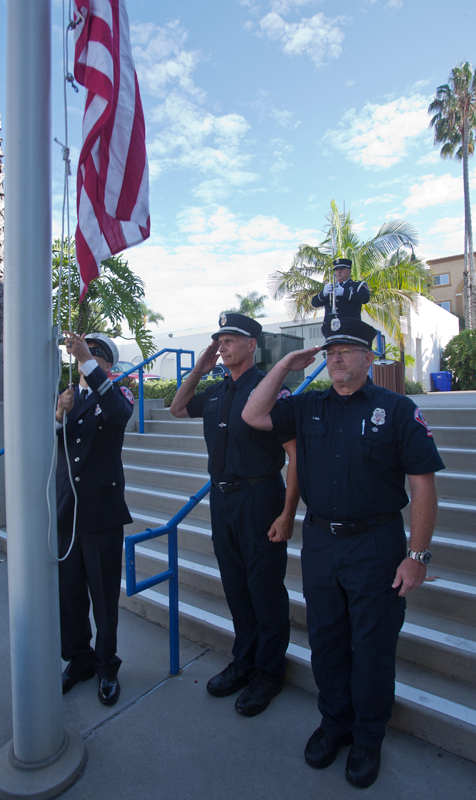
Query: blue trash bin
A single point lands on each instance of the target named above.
(441, 381)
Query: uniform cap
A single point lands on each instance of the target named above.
(347, 330)
(239, 325)
(342, 262)
(106, 344)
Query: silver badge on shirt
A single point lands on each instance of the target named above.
(378, 417)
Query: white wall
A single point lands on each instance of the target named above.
(430, 323)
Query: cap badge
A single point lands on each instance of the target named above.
(335, 324)
(378, 417)
(223, 319)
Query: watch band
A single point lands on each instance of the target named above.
(424, 556)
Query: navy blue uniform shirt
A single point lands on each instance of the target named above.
(249, 453)
(353, 451)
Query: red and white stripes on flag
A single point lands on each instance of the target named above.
(113, 174)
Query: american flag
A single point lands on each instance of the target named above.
(113, 174)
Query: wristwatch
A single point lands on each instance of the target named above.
(424, 557)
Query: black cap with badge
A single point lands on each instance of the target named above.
(239, 325)
(348, 331)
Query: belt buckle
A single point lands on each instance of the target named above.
(338, 524)
(221, 484)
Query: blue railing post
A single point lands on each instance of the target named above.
(179, 368)
(173, 604)
(141, 399)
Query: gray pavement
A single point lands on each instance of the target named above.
(168, 738)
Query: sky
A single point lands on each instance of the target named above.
(258, 114)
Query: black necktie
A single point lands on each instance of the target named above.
(217, 461)
(83, 396)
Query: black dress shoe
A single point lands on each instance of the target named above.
(322, 748)
(228, 681)
(109, 691)
(363, 763)
(70, 680)
(263, 687)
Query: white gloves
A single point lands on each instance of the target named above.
(327, 289)
(339, 290)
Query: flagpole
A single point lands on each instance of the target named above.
(43, 759)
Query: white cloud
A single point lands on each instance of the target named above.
(350, 83)
(318, 37)
(434, 191)
(394, 4)
(181, 132)
(284, 6)
(266, 108)
(161, 61)
(223, 254)
(445, 237)
(380, 136)
(430, 158)
(383, 198)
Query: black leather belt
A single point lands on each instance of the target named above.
(349, 528)
(233, 486)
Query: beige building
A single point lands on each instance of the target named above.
(447, 289)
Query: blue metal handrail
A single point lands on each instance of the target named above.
(141, 366)
(171, 574)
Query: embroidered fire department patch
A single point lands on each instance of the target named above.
(378, 417)
(421, 419)
(283, 393)
(128, 394)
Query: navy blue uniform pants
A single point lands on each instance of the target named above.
(252, 570)
(92, 568)
(354, 618)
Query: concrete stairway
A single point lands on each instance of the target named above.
(436, 668)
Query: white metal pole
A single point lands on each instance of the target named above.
(38, 734)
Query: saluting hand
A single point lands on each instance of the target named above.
(208, 359)
(299, 359)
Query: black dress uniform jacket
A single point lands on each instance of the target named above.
(94, 438)
(349, 304)
(95, 435)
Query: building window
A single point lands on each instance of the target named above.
(314, 332)
(441, 280)
(292, 332)
(446, 305)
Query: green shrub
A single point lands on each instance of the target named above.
(414, 387)
(166, 388)
(459, 358)
(319, 385)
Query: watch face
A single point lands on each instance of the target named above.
(425, 558)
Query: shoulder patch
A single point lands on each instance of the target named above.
(421, 419)
(283, 393)
(127, 394)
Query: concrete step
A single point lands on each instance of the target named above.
(451, 435)
(456, 485)
(436, 708)
(177, 459)
(453, 515)
(172, 426)
(425, 639)
(459, 459)
(435, 416)
(165, 441)
(165, 477)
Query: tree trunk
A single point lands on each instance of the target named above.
(469, 259)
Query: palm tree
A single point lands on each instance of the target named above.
(115, 296)
(454, 120)
(250, 304)
(394, 282)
